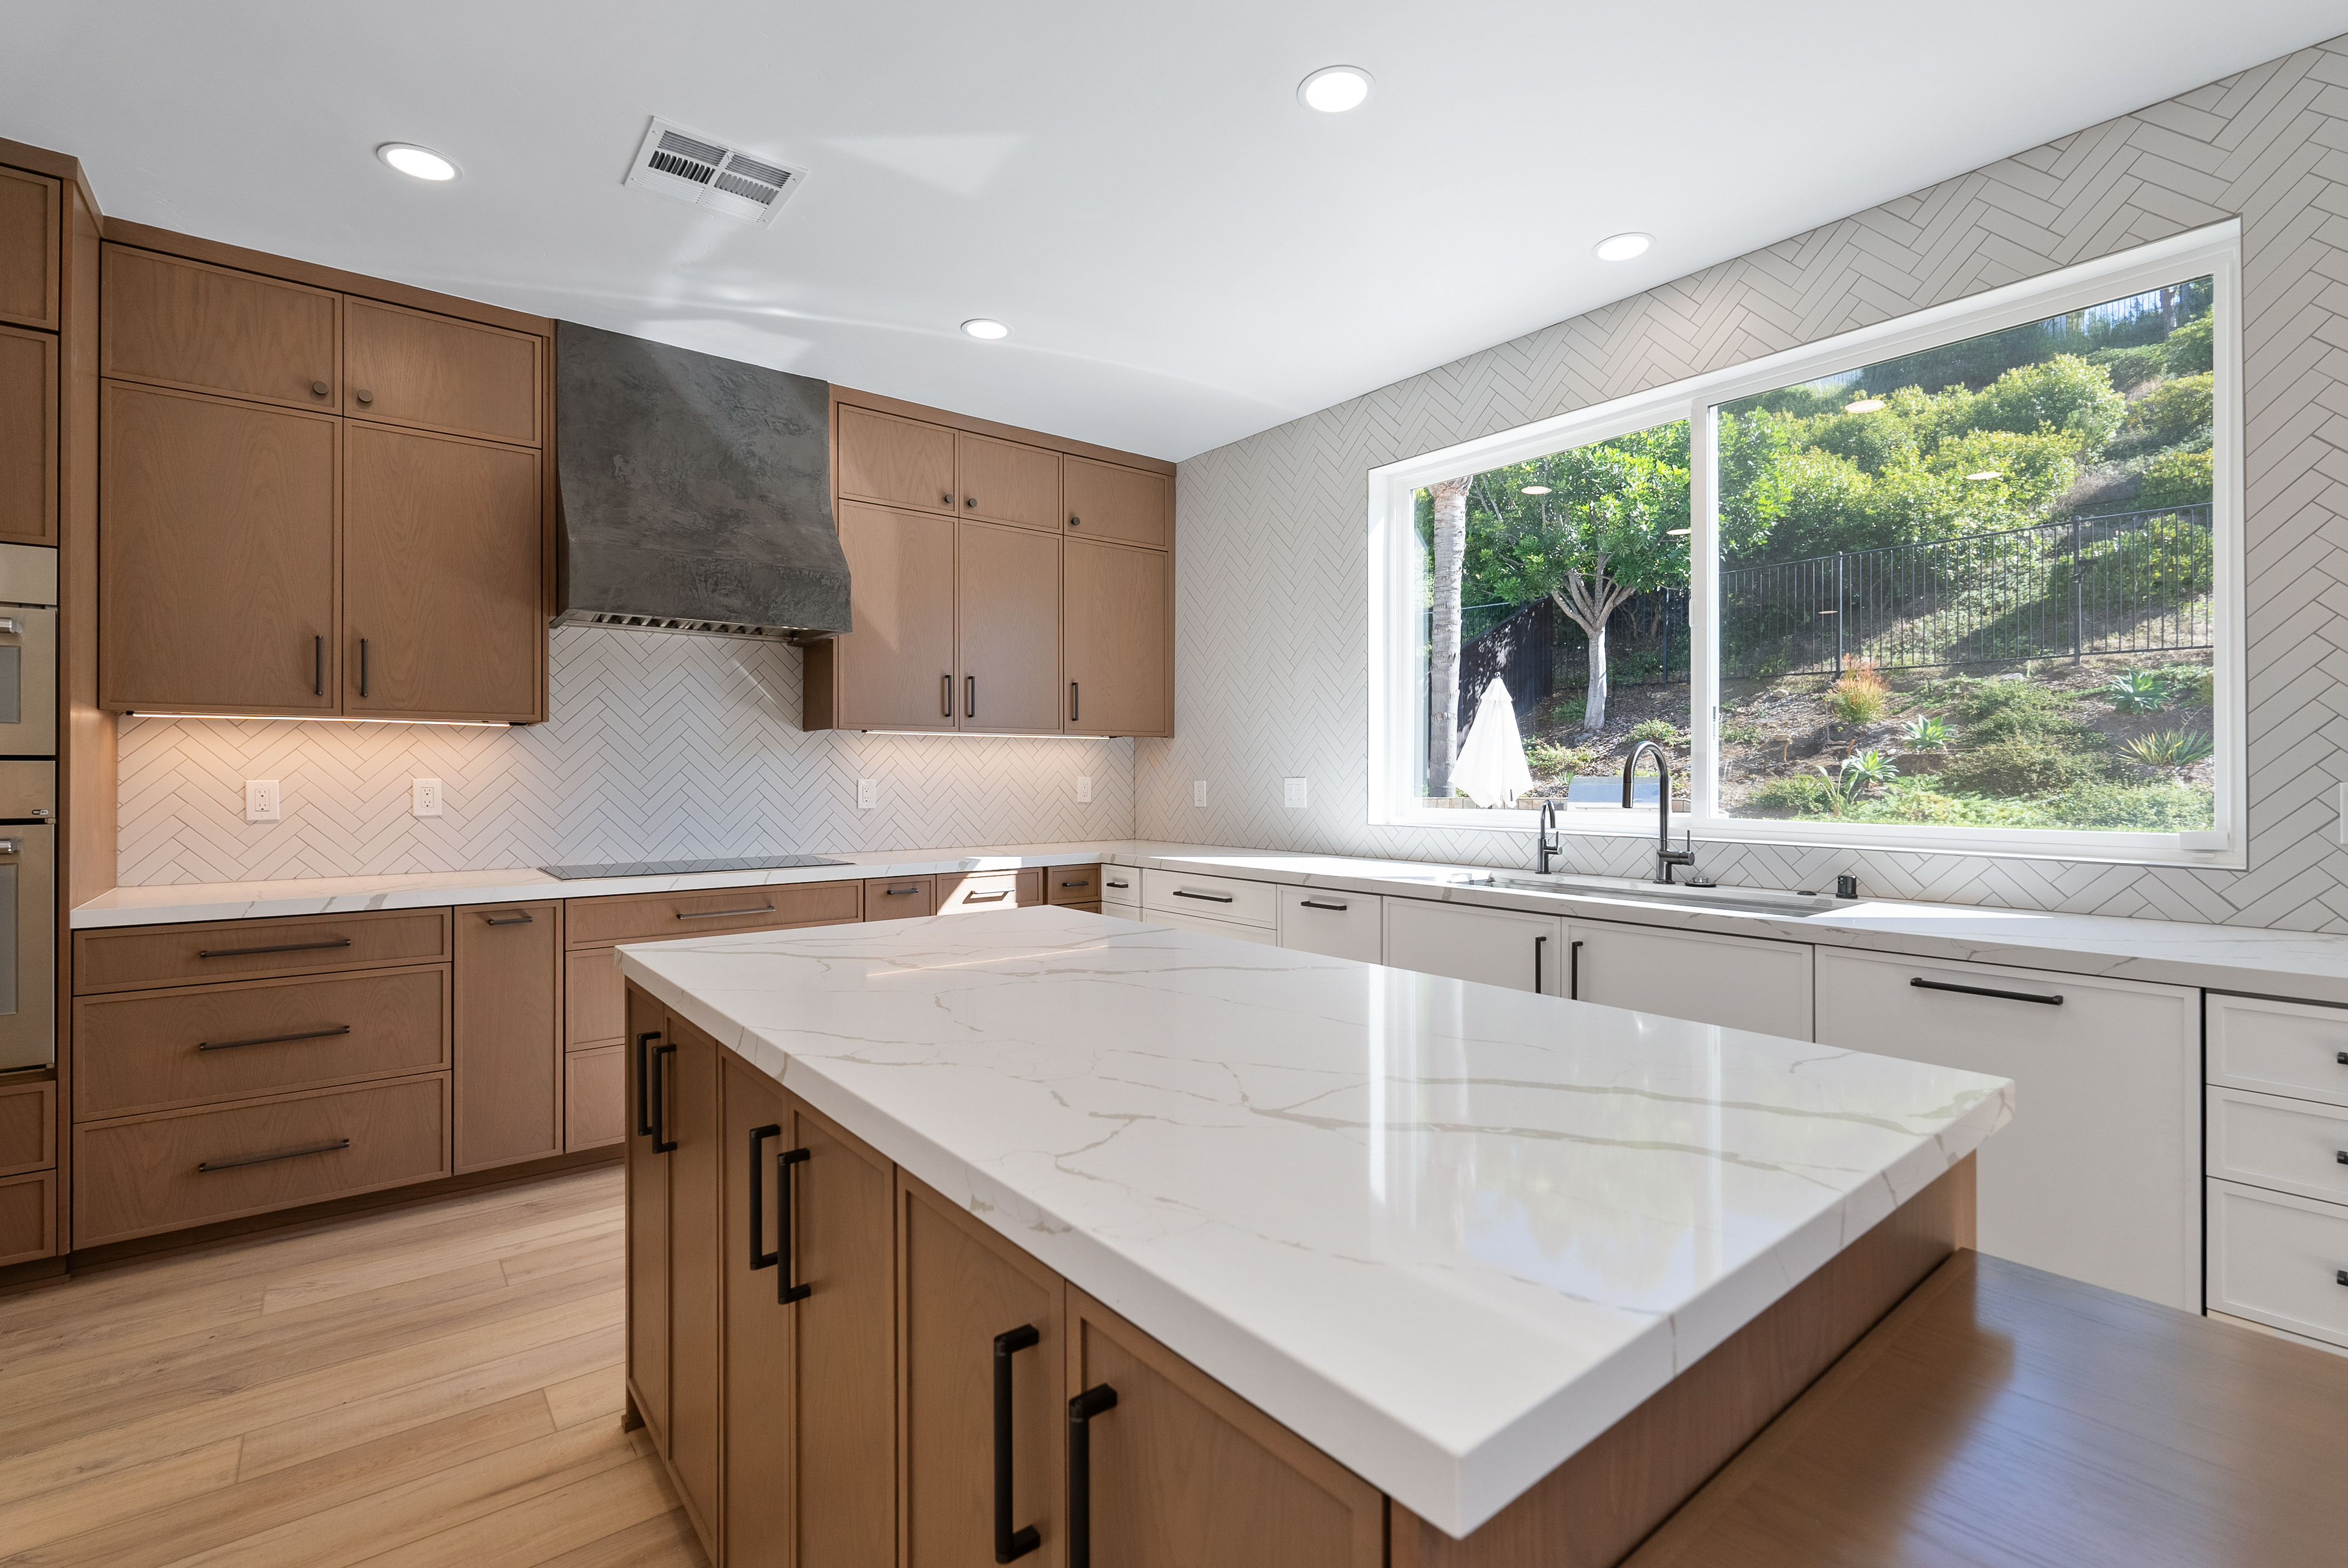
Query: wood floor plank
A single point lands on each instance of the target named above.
(667, 1541)
(28, 1521)
(435, 1255)
(547, 1523)
(600, 1392)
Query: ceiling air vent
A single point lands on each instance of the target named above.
(706, 172)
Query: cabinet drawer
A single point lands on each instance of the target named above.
(412, 367)
(1120, 884)
(1206, 925)
(1341, 925)
(2279, 1260)
(1072, 884)
(155, 1050)
(192, 1167)
(2293, 1145)
(1216, 898)
(982, 890)
(138, 956)
(202, 328)
(28, 1120)
(595, 1000)
(899, 897)
(594, 1097)
(639, 917)
(28, 1217)
(2277, 1047)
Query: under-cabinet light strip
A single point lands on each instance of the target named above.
(989, 735)
(319, 719)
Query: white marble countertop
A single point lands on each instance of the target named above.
(2309, 966)
(1445, 1232)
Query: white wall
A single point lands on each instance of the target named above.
(1273, 549)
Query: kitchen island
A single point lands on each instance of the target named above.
(1465, 1243)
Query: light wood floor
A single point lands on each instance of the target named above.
(438, 1384)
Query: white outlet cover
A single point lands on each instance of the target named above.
(1198, 792)
(1084, 787)
(1291, 793)
(261, 799)
(424, 797)
(868, 793)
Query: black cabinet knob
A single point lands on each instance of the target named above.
(363, 397)
(321, 388)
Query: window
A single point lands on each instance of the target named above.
(1966, 580)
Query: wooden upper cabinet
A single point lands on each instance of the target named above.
(1116, 610)
(216, 562)
(436, 372)
(32, 209)
(1106, 501)
(29, 436)
(895, 671)
(188, 324)
(896, 462)
(1005, 482)
(442, 598)
(1006, 628)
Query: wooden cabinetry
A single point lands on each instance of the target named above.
(1734, 982)
(899, 897)
(1005, 482)
(217, 556)
(29, 436)
(169, 322)
(1118, 613)
(894, 461)
(674, 1158)
(1006, 628)
(1109, 501)
(648, 1166)
(32, 217)
(29, 1158)
(437, 372)
(896, 669)
(510, 1086)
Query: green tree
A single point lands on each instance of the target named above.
(1449, 543)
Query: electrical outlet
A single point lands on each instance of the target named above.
(261, 799)
(1084, 787)
(868, 793)
(424, 797)
(1198, 792)
(1291, 793)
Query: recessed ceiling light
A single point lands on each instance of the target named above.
(421, 162)
(1534, 490)
(1864, 405)
(1622, 247)
(1333, 89)
(1985, 474)
(979, 326)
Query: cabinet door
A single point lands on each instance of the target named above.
(959, 1286)
(208, 329)
(216, 565)
(696, 1325)
(896, 462)
(1342, 925)
(1183, 1471)
(648, 1167)
(442, 614)
(759, 1425)
(29, 436)
(508, 1033)
(1005, 482)
(1494, 946)
(894, 671)
(1007, 629)
(594, 1006)
(1734, 981)
(436, 372)
(1106, 501)
(32, 214)
(1116, 613)
(594, 1098)
(2099, 1175)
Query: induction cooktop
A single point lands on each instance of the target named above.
(682, 867)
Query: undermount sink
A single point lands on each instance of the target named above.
(1738, 900)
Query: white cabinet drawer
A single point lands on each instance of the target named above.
(2279, 1048)
(1734, 981)
(1341, 925)
(1120, 884)
(2280, 1260)
(1216, 898)
(1183, 921)
(1491, 946)
(2098, 1176)
(2293, 1145)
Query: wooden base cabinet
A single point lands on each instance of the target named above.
(508, 1034)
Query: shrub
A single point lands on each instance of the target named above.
(1553, 761)
(2191, 685)
(1737, 733)
(2140, 692)
(1659, 730)
(1566, 711)
(2021, 765)
(2177, 480)
(1861, 697)
(2190, 348)
(2174, 411)
(2168, 748)
(2012, 710)
(1797, 795)
(1926, 733)
(2132, 366)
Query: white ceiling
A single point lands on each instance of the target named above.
(1184, 253)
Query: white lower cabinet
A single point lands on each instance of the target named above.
(1497, 947)
(1341, 925)
(1183, 921)
(2098, 1177)
(1120, 891)
(1737, 982)
(2279, 1260)
(2291, 1146)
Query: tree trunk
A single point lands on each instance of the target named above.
(1450, 543)
(1593, 707)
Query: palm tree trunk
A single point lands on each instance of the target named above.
(1450, 542)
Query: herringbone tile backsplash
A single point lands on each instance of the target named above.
(1270, 576)
(660, 747)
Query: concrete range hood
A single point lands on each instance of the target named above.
(695, 492)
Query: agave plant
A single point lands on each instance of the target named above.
(2140, 692)
(2168, 748)
(1926, 733)
(1859, 771)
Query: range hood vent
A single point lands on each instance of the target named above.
(705, 172)
(695, 492)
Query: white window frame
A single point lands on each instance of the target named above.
(1397, 716)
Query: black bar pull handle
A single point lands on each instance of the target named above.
(1010, 1545)
(785, 1291)
(1072, 701)
(766, 909)
(970, 697)
(362, 666)
(281, 947)
(662, 1142)
(1539, 943)
(327, 1033)
(945, 696)
(1573, 971)
(1922, 983)
(518, 918)
(318, 666)
(1100, 1397)
(335, 1147)
(643, 1086)
(1209, 897)
(759, 1257)
(1316, 904)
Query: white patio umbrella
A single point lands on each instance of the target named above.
(1491, 767)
